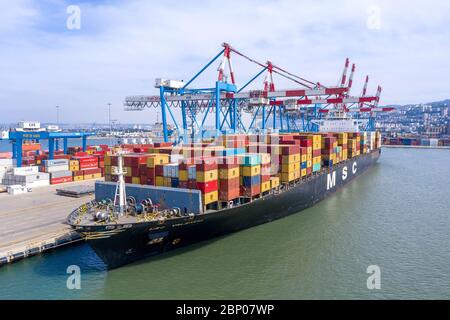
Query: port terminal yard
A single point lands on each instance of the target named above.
(33, 222)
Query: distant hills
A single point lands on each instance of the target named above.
(442, 103)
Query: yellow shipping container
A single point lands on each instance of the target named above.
(304, 158)
(290, 159)
(265, 186)
(226, 174)
(317, 139)
(274, 182)
(317, 160)
(128, 172)
(74, 168)
(73, 163)
(210, 197)
(287, 177)
(167, 182)
(309, 157)
(287, 168)
(107, 159)
(308, 150)
(183, 175)
(80, 178)
(309, 163)
(136, 180)
(317, 146)
(250, 171)
(303, 172)
(207, 176)
(297, 174)
(157, 159)
(92, 176)
(159, 181)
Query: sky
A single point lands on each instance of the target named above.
(118, 48)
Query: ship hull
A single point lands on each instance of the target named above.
(121, 244)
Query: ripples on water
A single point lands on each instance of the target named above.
(395, 216)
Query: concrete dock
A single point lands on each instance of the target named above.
(34, 222)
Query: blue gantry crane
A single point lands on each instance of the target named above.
(269, 108)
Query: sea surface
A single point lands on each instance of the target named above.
(395, 217)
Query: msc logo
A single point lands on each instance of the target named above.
(331, 177)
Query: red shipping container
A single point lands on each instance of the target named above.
(92, 171)
(306, 142)
(162, 144)
(150, 172)
(61, 180)
(206, 164)
(316, 153)
(144, 179)
(227, 195)
(207, 187)
(134, 160)
(78, 173)
(228, 163)
(289, 149)
(308, 171)
(183, 185)
(265, 177)
(128, 180)
(250, 191)
(229, 184)
(192, 184)
(159, 170)
(135, 172)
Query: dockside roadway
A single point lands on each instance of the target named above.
(34, 222)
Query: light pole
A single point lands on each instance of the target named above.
(57, 114)
(109, 118)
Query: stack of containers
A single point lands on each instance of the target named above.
(265, 172)
(228, 179)
(378, 140)
(135, 165)
(88, 166)
(155, 168)
(28, 177)
(329, 145)
(290, 163)
(364, 147)
(170, 174)
(207, 175)
(58, 170)
(306, 141)
(316, 152)
(342, 138)
(250, 174)
(354, 144)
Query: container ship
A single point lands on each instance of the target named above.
(165, 197)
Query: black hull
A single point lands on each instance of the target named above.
(122, 244)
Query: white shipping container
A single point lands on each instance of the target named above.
(176, 158)
(17, 189)
(52, 169)
(434, 142)
(25, 170)
(7, 163)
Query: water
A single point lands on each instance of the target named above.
(396, 216)
(5, 146)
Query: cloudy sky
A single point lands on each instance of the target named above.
(122, 46)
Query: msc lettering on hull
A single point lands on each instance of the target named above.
(331, 177)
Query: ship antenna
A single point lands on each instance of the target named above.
(120, 195)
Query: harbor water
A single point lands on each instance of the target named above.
(395, 217)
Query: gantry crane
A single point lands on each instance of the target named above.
(227, 104)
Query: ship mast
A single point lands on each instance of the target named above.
(120, 195)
